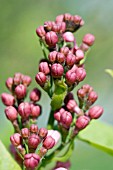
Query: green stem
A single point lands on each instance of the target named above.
(43, 48)
(51, 120)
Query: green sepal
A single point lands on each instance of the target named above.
(109, 71)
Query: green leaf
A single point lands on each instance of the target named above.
(59, 94)
(6, 161)
(109, 71)
(98, 134)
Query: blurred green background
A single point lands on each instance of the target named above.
(20, 52)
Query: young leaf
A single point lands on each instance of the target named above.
(6, 161)
(98, 134)
(59, 94)
(110, 72)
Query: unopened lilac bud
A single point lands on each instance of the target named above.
(7, 99)
(24, 109)
(40, 31)
(77, 19)
(59, 18)
(68, 97)
(48, 25)
(81, 93)
(67, 16)
(70, 59)
(44, 67)
(35, 111)
(95, 112)
(33, 128)
(57, 116)
(35, 95)
(64, 165)
(48, 142)
(55, 135)
(64, 50)
(66, 119)
(84, 47)
(60, 58)
(51, 39)
(70, 77)
(31, 160)
(57, 70)
(25, 133)
(42, 151)
(33, 141)
(87, 88)
(16, 139)
(80, 74)
(9, 83)
(82, 122)
(68, 37)
(71, 105)
(20, 91)
(59, 27)
(79, 55)
(89, 39)
(11, 113)
(92, 97)
(52, 56)
(26, 80)
(43, 132)
(40, 78)
(74, 68)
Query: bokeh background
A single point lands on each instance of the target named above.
(20, 52)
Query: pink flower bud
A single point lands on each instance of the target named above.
(77, 19)
(35, 95)
(87, 88)
(60, 57)
(51, 39)
(44, 67)
(80, 74)
(68, 97)
(31, 160)
(59, 27)
(66, 165)
(67, 16)
(64, 50)
(33, 128)
(61, 168)
(48, 142)
(82, 122)
(89, 39)
(43, 132)
(81, 93)
(71, 105)
(9, 83)
(48, 25)
(57, 116)
(42, 151)
(35, 110)
(26, 80)
(66, 119)
(70, 59)
(55, 135)
(20, 91)
(52, 56)
(7, 99)
(79, 55)
(92, 96)
(40, 78)
(25, 133)
(17, 78)
(24, 110)
(57, 70)
(68, 37)
(16, 139)
(33, 141)
(40, 31)
(70, 77)
(95, 112)
(11, 113)
(59, 18)
(84, 47)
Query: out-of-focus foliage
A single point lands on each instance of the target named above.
(20, 52)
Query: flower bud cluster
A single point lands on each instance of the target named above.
(34, 138)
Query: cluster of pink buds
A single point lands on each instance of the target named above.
(33, 144)
(59, 72)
